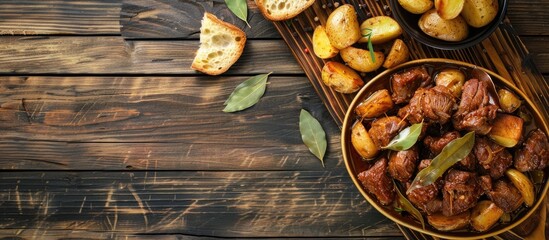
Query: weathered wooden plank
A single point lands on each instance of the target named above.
(537, 46)
(155, 123)
(114, 55)
(32, 17)
(221, 204)
(181, 19)
(529, 17)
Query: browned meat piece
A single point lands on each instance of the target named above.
(406, 83)
(433, 104)
(534, 154)
(433, 206)
(423, 197)
(485, 183)
(460, 192)
(493, 158)
(423, 164)
(475, 113)
(383, 130)
(506, 196)
(436, 145)
(377, 182)
(402, 164)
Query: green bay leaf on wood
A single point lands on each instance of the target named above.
(247, 93)
(239, 8)
(312, 134)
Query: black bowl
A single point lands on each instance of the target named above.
(409, 23)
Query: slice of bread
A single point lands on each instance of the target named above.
(278, 10)
(221, 44)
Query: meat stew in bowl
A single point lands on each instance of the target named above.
(438, 149)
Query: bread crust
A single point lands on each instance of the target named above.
(235, 32)
(281, 17)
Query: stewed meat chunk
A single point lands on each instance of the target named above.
(377, 182)
(402, 164)
(534, 154)
(475, 113)
(485, 183)
(425, 198)
(506, 196)
(406, 83)
(434, 104)
(460, 192)
(493, 158)
(384, 129)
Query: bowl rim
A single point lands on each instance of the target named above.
(447, 45)
(347, 123)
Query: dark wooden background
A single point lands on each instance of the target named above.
(106, 132)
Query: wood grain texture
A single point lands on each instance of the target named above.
(116, 123)
(181, 19)
(114, 55)
(222, 204)
(529, 17)
(79, 17)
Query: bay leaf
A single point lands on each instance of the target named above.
(239, 8)
(404, 204)
(405, 138)
(247, 93)
(312, 134)
(453, 152)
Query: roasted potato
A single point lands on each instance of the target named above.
(449, 9)
(444, 223)
(484, 215)
(362, 142)
(416, 6)
(478, 13)
(398, 54)
(341, 78)
(508, 101)
(452, 30)
(342, 27)
(321, 44)
(523, 184)
(361, 60)
(375, 105)
(381, 29)
(451, 78)
(506, 130)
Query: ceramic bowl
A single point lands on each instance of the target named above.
(409, 23)
(355, 164)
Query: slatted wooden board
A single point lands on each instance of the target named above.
(503, 52)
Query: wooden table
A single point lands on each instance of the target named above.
(106, 132)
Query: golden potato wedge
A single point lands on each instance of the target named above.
(342, 27)
(362, 142)
(508, 101)
(523, 184)
(375, 105)
(416, 6)
(341, 78)
(449, 9)
(321, 44)
(506, 130)
(398, 54)
(361, 59)
(478, 13)
(381, 29)
(444, 223)
(451, 78)
(484, 215)
(452, 30)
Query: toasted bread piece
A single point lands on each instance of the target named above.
(221, 44)
(278, 10)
